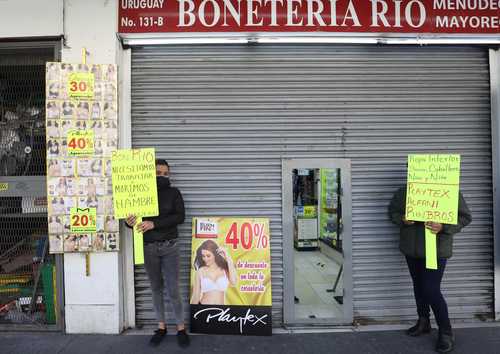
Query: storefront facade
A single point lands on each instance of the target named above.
(237, 110)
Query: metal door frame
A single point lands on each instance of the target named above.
(288, 165)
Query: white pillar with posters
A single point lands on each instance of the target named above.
(92, 303)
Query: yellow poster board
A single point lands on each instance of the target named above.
(432, 194)
(134, 182)
(138, 244)
(432, 188)
(241, 247)
(81, 85)
(80, 143)
(83, 220)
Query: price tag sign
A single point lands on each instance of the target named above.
(81, 85)
(83, 220)
(4, 187)
(80, 142)
(310, 211)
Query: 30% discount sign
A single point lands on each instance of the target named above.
(81, 85)
(248, 234)
(83, 220)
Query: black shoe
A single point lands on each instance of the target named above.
(423, 326)
(157, 337)
(182, 338)
(445, 343)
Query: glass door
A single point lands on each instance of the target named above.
(317, 241)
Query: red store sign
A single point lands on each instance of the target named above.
(355, 16)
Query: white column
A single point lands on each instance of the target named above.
(93, 304)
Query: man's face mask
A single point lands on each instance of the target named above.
(162, 180)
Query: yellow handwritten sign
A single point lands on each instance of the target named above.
(432, 195)
(81, 85)
(83, 220)
(80, 143)
(4, 187)
(432, 188)
(138, 244)
(134, 182)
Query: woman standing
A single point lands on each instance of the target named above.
(427, 282)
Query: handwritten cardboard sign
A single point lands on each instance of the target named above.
(134, 182)
(432, 188)
(432, 195)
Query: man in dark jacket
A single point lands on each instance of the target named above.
(427, 282)
(161, 253)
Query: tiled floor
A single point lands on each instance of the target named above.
(314, 274)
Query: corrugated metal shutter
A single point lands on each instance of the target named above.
(225, 116)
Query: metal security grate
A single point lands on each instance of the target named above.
(27, 270)
(22, 112)
(226, 116)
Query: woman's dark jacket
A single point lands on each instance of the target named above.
(412, 237)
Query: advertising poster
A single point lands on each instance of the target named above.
(231, 276)
(432, 194)
(81, 119)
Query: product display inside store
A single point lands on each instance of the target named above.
(317, 237)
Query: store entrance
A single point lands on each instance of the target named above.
(317, 224)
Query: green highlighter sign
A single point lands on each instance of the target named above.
(432, 194)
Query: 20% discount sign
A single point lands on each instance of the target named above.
(248, 234)
(83, 220)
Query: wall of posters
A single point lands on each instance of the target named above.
(231, 276)
(82, 132)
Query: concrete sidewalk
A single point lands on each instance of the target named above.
(469, 341)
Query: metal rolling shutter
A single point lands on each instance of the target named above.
(225, 116)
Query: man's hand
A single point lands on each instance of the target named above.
(435, 227)
(407, 222)
(131, 220)
(145, 226)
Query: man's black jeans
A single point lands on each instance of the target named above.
(427, 289)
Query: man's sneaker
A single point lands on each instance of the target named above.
(182, 338)
(157, 337)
